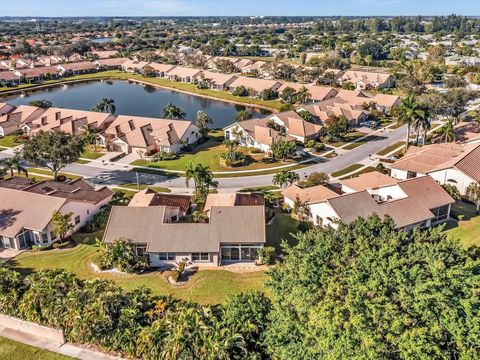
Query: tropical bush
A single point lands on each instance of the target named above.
(41, 247)
(233, 159)
(267, 255)
(240, 91)
(164, 156)
(99, 220)
(122, 255)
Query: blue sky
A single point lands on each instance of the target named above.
(236, 7)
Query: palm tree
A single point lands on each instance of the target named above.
(202, 178)
(303, 94)
(447, 131)
(285, 177)
(422, 124)
(89, 135)
(173, 112)
(473, 194)
(231, 146)
(105, 105)
(13, 163)
(409, 111)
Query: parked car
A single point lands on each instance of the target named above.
(371, 124)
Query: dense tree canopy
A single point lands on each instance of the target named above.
(369, 291)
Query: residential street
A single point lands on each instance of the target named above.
(117, 174)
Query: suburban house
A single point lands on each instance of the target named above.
(9, 78)
(383, 102)
(243, 64)
(256, 133)
(160, 70)
(184, 74)
(326, 109)
(217, 81)
(254, 86)
(232, 234)
(105, 54)
(143, 135)
(76, 68)
(17, 117)
(26, 209)
(6, 108)
(110, 63)
(176, 206)
(317, 93)
(296, 127)
(134, 66)
(414, 202)
(367, 79)
(232, 199)
(39, 73)
(67, 120)
(254, 69)
(454, 164)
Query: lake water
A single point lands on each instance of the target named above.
(101, 40)
(133, 99)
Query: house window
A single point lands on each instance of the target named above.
(237, 252)
(452, 181)
(319, 220)
(200, 257)
(411, 174)
(77, 220)
(174, 218)
(141, 250)
(44, 238)
(166, 256)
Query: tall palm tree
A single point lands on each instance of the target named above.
(231, 146)
(473, 193)
(447, 131)
(105, 105)
(173, 112)
(422, 124)
(409, 111)
(13, 163)
(303, 94)
(202, 178)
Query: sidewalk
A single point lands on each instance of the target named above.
(64, 349)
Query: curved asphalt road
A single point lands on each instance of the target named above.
(116, 174)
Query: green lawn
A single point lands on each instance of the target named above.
(12, 350)
(346, 170)
(260, 188)
(91, 155)
(209, 154)
(350, 137)
(391, 148)
(205, 287)
(365, 140)
(467, 230)
(134, 187)
(8, 141)
(281, 228)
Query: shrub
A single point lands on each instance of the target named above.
(41, 247)
(176, 275)
(267, 255)
(121, 254)
(99, 220)
(269, 94)
(164, 156)
(240, 91)
(317, 178)
(233, 159)
(61, 245)
(304, 226)
(286, 107)
(255, 151)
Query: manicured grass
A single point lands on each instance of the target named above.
(346, 170)
(209, 154)
(12, 350)
(91, 155)
(48, 173)
(365, 140)
(134, 187)
(363, 171)
(8, 141)
(205, 287)
(350, 137)
(396, 126)
(83, 162)
(282, 227)
(391, 148)
(260, 188)
(466, 231)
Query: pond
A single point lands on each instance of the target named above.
(134, 99)
(101, 40)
